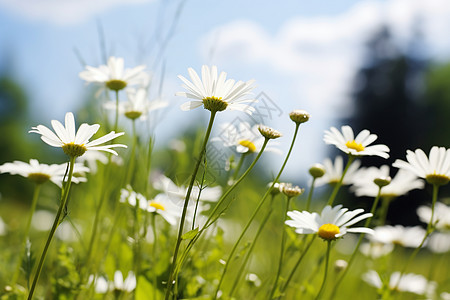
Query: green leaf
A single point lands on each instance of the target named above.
(190, 234)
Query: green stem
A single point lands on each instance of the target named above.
(247, 256)
(384, 210)
(238, 167)
(56, 223)
(291, 275)
(283, 242)
(430, 229)
(326, 270)
(211, 218)
(155, 243)
(37, 189)
(133, 153)
(311, 191)
(355, 251)
(233, 250)
(338, 185)
(186, 202)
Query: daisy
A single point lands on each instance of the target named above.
(358, 146)
(102, 285)
(331, 224)
(161, 205)
(215, 92)
(376, 250)
(401, 184)
(333, 172)
(398, 235)
(40, 173)
(436, 169)
(73, 143)
(244, 138)
(439, 242)
(113, 75)
(137, 105)
(441, 215)
(410, 282)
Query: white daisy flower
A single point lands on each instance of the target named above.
(102, 285)
(410, 282)
(333, 172)
(358, 146)
(375, 250)
(244, 137)
(441, 215)
(215, 92)
(161, 204)
(331, 224)
(40, 173)
(114, 75)
(73, 143)
(178, 193)
(439, 242)
(401, 184)
(137, 105)
(436, 169)
(398, 235)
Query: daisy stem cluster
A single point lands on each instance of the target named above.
(325, 275)
(172, 274)
(213, 216)
(429, 230)
(283, 242)
(238, 277)
(358, 244)
(56, 222)
(233, 250)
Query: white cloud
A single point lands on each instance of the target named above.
(320, 55)
(62, 12)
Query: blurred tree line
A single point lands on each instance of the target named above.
(404, 98)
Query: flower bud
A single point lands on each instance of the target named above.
(299, 116)
(317, 170)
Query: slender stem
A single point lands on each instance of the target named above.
(132, 157)
(155, 247)
(430, 229)
(247, 257)
(291, 275)
(211, 218)
(116, 118)
(311, 191)
(233, 250)
(351, 158)
(186, 202)
(283, 242)
(384, 210)
(56, 223)
(355, 251)
(238, 167)
(37, 189)
(326, 270)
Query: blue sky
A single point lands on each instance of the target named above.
(302, 54)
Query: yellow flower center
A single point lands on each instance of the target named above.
(116, 85)
(39, 177)
(133, 114)
(248, 144)
(437, 179)
(74, 150)
(328, 231)
(157, 205)
(354, 145)
(214, 104)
